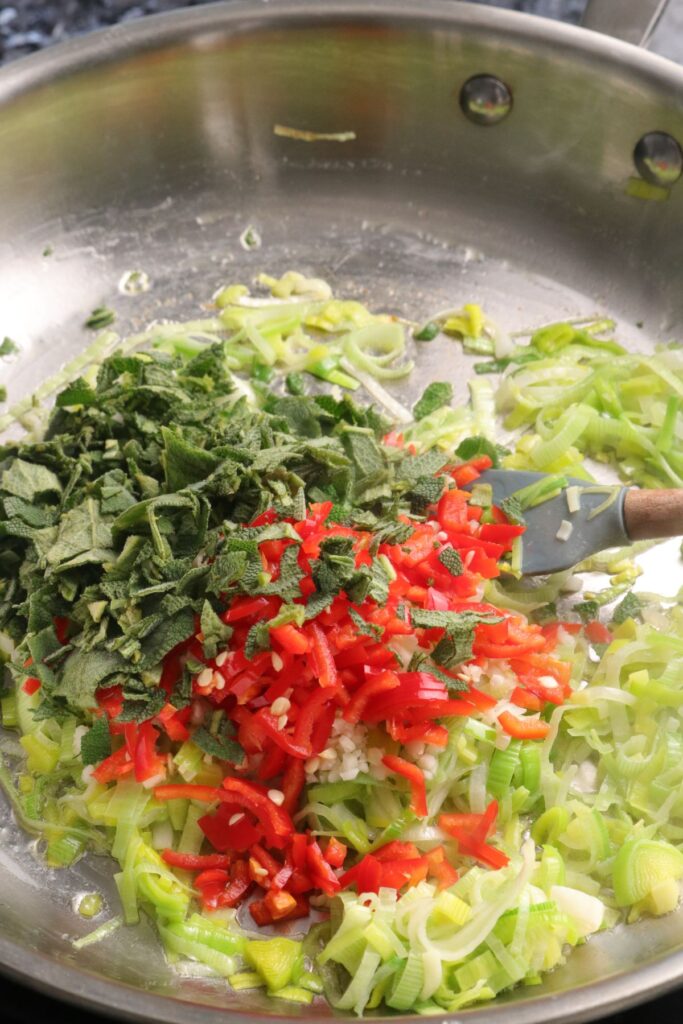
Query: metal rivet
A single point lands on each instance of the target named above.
(485, 99)
(658, 159)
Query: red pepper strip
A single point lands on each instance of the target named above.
(61, 625)
(481, 701)
(268, 722)
(265, 860)
(500, 533)
(300, 882)
(318, 511)
(262, 915)
(293, 782)
(436, 600)
(550, 632)
(172, 721)
(209, 895)
(272, 549)
(291, 639)
(418, 682)
(322, 727)
(440, 869)
(309, 713)
(541, 692)
(523, 728)
(239, 885)
(297, 851)
(397, 850)
(520, 630)
(148, 763)
(482, 564)
(176, 730)
(30, 685)
(258, 873)
(437, 709)
(452, 510)
(494, 632)
(364, 654)
(211, 876)
(491, 856)
(464, 475)
(223, 836)
(597, 633)
(280, 880)
(130, 736)
(542, 664)
(469, 824)
(250, 733)
(110, 699)
(335, 853)
(415, 777)
(471, 831)
(389, 621)
(415, 550)
(366, 875)
(302, 909)
(180, 791)
(264, 518)
(172, 668)
(397, 873)
(323, 875)
(273, 763)
(487, 823)
(196, 862)
(323, 658)
(468, 542)
(280, 904)
(113, 767)
(244, 608)
(483, 607)
(353, 712)
(524, 699)
(276, 822)
(513, 650)
(436, 735)
(424, 693)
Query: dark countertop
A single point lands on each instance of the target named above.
(25, 1007)
(29, 25)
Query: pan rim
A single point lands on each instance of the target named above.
(121, 1001)
(106, 45)
(69, 982)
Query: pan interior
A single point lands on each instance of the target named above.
(153, 149)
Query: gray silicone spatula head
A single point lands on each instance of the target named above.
(543, 551)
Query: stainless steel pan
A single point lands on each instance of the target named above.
(547, 189)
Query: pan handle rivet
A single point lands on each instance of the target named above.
(485, 100)
(659, 159)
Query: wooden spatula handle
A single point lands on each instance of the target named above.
(650, 514)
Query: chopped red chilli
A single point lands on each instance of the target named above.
(356, 638)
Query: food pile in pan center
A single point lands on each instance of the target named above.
(266, 651)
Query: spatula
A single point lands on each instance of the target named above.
(606, 517)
